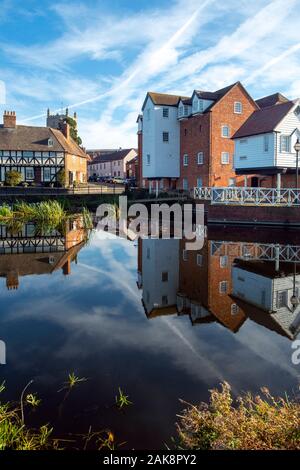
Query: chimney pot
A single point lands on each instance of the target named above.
(9, 119)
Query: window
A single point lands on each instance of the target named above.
(165, 276)
(234, 309)
(281, 299)
(200, 158)
(180, 111)
(223, 261)
(164, 300)
(195, 105)
(186, 110)
(148, 159)
(231, 182)
(47, 175)
(184, 255)
(266, 143)
(29, 173)
(165, 136)
(185, 160)
(225, 131)
(225, 158)
(243, 157)
(148, 253)
(200, 260)
(119, 173)
(243, 141)
(185, 132)
(238, 107)
(185, 184)
(165, 112)
(50, 142)
(199, 182)
(285, 143)
(223, 287)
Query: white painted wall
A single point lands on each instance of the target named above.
(288, 126)
(164, 156)
(159, 256)
(253, 149)
(252, 288)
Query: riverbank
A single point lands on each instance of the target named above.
(262, 422)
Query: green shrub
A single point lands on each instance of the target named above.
(249, 423)
(13, 178)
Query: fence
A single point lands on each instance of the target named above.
(249, 196)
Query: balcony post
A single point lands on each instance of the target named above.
(278, 186)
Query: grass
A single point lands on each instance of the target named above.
(51, 213)
(122, 400)
(249, 423)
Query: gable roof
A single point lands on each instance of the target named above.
(271, 100)
(264, 120)
(163, 99)
(109, 157)
(32, 138)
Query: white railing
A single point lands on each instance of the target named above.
(249, 196)
(256, 251)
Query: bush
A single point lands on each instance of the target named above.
(13, 178)
(254, 423)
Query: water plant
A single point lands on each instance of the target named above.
(72, 381)
(248, 423)
(122, 399)
(33, 400)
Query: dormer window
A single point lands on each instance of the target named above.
(297, 111)
(50, 142)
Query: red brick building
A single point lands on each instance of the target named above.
(206, 147)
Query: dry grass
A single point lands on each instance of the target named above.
(249, 423)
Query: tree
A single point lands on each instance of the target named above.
(73, 130)
(61, 178)
(13, 178)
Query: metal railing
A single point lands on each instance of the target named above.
(46, 191)
(256, 251)
(250, 196)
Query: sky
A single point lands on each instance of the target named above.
(100, 57)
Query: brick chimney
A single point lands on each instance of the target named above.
(9, 119)
(65, 128)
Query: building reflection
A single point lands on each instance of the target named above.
(29, 251)
(229, 281)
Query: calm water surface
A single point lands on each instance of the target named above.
(160, 323)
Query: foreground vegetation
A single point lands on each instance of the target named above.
(248, 423)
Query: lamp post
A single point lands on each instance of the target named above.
(297, 149)
(294, 299)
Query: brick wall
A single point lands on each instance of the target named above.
(223, 114)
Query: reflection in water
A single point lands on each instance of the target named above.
(27, 253)
(93, 323)
(226, 282)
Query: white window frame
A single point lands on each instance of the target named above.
(165, 113)
(225, 158)
(223, 261)
(199, 178)
(238, 107)
(287, 140)
(165, 137)
(266, 142)
(223, 286)
(225, 126)
(234, 309)
(29, 178)
(185, 187)
(200, 158)
(185, 159)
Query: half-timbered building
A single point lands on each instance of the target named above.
(40, 153)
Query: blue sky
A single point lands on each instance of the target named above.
(100, 57)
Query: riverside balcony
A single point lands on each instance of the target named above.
(249, 196)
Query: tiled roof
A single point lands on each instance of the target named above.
(162, 99)
(33, 138)
(264, 120)
(109, 157)
(271, 100)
